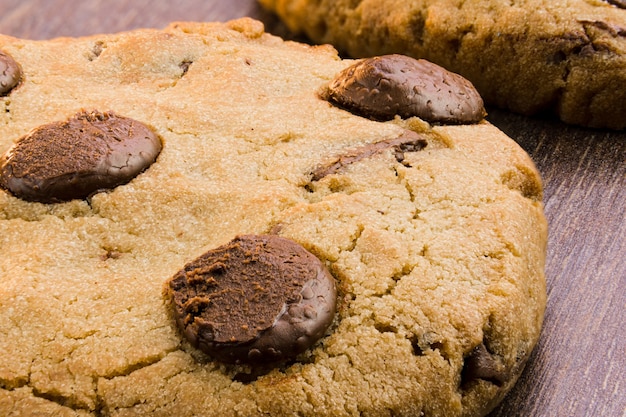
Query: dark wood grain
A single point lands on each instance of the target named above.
(579, 366)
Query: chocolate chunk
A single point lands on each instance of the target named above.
(258, 299)
(383, 87)
(89, 152)
(10, 73)
(480, 364)
(408, 141)
(612, 30)
(619, 3)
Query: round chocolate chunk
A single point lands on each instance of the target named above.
(258, 299)
(10, 73)
(382, 87)
(89, 152)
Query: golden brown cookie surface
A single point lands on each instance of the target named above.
(438, 255)
(530, 56)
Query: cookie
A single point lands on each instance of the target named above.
(278, 249)
(532, 57)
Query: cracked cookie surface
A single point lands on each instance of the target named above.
(529, 56)
(436, 243)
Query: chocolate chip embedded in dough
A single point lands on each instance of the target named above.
(480, 364)
(10, 73)
(383, 87)
(619, 3)
(67, 160)
(408, 141)
(258, 299)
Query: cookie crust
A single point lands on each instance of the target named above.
(530, 56)
(437, 256)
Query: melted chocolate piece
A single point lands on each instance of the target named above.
(612, 30)
(62, 161)
(619, 3)
(480, 364)
(258, 299)
(383, 87)
(10, 74)
(408, 141)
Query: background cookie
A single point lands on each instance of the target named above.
(438, 255)
(531, 57)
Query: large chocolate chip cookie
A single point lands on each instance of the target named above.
(277, 246)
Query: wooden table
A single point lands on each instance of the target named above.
(579, 366)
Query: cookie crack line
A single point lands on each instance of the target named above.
(74, 403)
(146, 362)
(15, 383)
(62, 401)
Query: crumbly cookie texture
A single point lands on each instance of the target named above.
(529, 56)
(437, 247)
